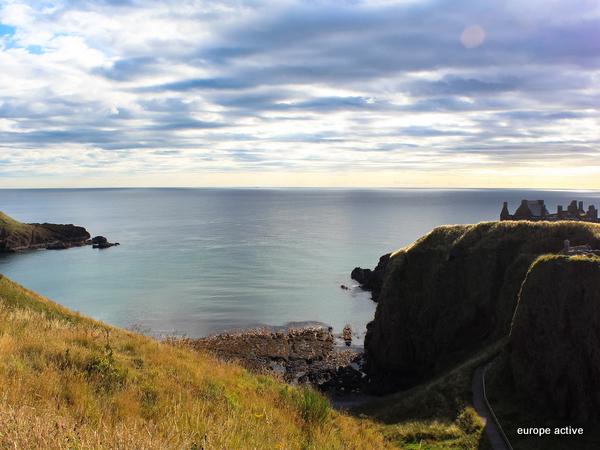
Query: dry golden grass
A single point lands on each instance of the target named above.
(67, 381)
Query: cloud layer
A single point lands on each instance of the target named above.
(155, 90)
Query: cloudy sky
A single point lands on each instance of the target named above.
(300, 93)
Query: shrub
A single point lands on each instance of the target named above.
(104, 370)
(468, 420)
(313, 407)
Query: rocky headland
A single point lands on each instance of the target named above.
(16, 236)
(461, 289)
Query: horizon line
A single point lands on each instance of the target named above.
(257, 187)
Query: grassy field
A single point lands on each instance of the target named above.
(67, 381)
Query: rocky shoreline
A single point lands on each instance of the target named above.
(296, 355)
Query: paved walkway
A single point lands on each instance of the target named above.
(481, 406)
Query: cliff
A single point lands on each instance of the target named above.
(552, 360)
(454, 292)
(16, 236)
(67, 381)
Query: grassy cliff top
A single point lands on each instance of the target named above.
(67, 381)
(11, 225)
(489, 234)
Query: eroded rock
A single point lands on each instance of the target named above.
(372, 280)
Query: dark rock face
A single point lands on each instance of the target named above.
(70, 234)
(57, 246)
(453, 292)
(99, 240)
(554, 349)
(372, 280)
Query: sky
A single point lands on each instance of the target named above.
(431, 93)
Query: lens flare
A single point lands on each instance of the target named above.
(472, 36)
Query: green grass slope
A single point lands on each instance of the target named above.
(67, 381)
(8, 225)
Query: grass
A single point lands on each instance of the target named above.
(11, 225)
(67, 381)
(437, 414)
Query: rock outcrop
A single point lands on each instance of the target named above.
(372, 280)
(553, 356)
(455, 291)
(101, 242)
(17, 236)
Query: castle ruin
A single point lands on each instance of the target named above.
(536, 210)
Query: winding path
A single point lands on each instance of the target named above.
(494, 433)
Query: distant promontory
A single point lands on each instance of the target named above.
(17, 236)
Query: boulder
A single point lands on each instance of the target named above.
(347, 335)
(100, 242)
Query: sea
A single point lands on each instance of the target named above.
(194, 262)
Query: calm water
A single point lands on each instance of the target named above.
(198, 261)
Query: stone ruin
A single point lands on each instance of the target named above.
(536, 210)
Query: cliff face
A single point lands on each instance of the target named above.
(454, 291)
(553, 357)
(15, 236)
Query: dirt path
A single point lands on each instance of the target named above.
(481, 405)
